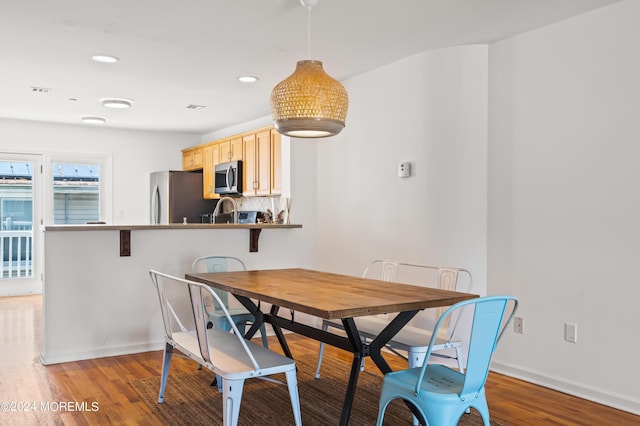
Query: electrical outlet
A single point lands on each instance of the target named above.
(518, 325)
(570, 332)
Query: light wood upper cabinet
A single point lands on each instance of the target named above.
(263, 162)
(209, 153)
(215, 149)
(192, 158)
(276, 162)
(231, 150)
(236, 149)
(260, 152)
(249, 165)
(257, 163)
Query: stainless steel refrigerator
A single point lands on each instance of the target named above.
(176, 195)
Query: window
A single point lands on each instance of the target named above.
(79, 189)
(76, 193)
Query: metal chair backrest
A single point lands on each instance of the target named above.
(447, 279)
(219, 264)
(486, 329)
(181, 303)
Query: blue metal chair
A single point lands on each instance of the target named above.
(241, 317)
(440, 394)
(216, 316)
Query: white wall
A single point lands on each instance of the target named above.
(431, 110)
(563, 201)
(135, 154)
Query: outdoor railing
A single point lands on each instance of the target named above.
(16, 249)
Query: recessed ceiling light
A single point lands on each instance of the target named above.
(94, 119)
(105, 58)
(248, 79)
(116, 103)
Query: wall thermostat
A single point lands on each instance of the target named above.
(404, 169)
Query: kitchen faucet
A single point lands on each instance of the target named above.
(235, 209)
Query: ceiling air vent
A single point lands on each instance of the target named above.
(192, 106)
(40, 89)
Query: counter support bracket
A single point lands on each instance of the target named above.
(254, 234)
(125, 242)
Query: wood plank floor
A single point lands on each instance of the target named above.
(96, 391)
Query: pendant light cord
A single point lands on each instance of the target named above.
(309, 32)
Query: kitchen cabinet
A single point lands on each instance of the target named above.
(260, 151)
(231, 150)
(192, 159)
(249, 180)
(276, 162)
(257, 163)
(210, 153)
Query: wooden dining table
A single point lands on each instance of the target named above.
(328, 296)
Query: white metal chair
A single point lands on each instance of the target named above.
(240, 316)
(228, 354)
(440, 394)
(412, 339)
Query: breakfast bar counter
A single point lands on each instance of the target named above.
(125, 230)
(98, 298)
(95, 227)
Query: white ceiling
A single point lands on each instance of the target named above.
(176, 53)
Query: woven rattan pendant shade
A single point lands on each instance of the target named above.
(309, 103)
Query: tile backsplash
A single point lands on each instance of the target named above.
(261, 204)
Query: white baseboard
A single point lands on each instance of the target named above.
(580, 390)
(56, 358)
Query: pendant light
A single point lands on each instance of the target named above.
(309, 103)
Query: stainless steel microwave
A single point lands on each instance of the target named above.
(228, 178)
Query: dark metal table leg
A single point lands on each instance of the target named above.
(381, 340)
(358, 354)
(354, 344)
(351, 390)
(279, 334)
(259, 316)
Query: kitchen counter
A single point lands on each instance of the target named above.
(94, 227)
(125, 230)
